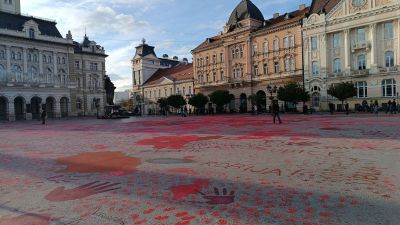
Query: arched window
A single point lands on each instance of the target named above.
(50, 59)
(362, 89)
(265, 48)
(58, 60)
(63, 60)
(17, 73)
(32, 74)
(2, 73)
(337, 66)
(316, 99)
(49, 75)
(276, 45)
(44, 59)
(31, 33)
(29, 57)
(389, 88)
(35, 58)
(315, 68)
(19, 56)
(13, 55)
(389, 59)
(361, 62)
(2, 54)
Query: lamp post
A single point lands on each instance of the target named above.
(272, 91)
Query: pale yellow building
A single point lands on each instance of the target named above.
(251, 54)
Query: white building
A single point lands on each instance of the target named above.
(352, 40)
(39, 69)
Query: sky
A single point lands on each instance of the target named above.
(174, 27)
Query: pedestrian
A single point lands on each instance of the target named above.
(376, 107)
(389, 107)
(346, 106)
(43, 116)
(275, 112)
(331, 108)
(394, 107)
(255, 110)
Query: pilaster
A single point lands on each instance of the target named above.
(58, 109)
(372, 37)
(25, 69)
(11, 110)
(347, 46)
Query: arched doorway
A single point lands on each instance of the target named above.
(3, 108)
(232, 104)
(35, 107)
(64, 107)
(262, 101)
(19, 106)
(243, 103)
(316, 98)
(50, 107)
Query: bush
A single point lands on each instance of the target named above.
(220, 98)
(198, 101)
(176, 101)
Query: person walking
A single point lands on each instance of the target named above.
(394, 107)
(275, 111)
(43, 116)
(376, 108)
(389, 107)
(346, 106)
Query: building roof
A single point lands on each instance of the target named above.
(78, 47)
(178, 73)
(246, 9)
(144, 50)
(15, 22)
(323, 6)
(285, 19)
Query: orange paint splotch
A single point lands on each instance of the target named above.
(27, 219)
(100, 162)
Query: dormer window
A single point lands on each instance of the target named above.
(31, 33)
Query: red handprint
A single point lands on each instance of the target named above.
(219, 199)
(60, 194)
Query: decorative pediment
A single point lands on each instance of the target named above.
(165, 80)
(314, 18)
(31, 24)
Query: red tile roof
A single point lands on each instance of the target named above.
(178, 73)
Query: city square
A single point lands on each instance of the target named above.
(228, 169)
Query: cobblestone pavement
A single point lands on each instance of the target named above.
(202, 170)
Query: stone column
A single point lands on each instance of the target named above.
(11, 110)
(58, 109)
(227, 63)
(347, 46)
(8, 66)
(40, 62)
(372, 37)
(25, 69)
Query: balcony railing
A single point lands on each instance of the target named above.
(360, 73)
(360, 46)
(389, 69)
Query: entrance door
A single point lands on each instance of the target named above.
(64, 107)
(50, 107)
(19, 105)
(3, 108)
(243, 103)
(35, 107)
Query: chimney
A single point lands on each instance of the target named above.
(302, 7)
(276, 15)
(165, 56)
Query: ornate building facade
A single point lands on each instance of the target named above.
(145, 64)
(177, 80)
(352, 40)
(39, 69)
(251, 54)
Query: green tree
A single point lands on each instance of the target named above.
(127, 104)
(220, 98)
(163, 103)
(198, 101)
(176, 101)
(294, 93)
(343, 91)
(255, 99)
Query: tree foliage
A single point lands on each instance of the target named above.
(255, 99)
(127, 104)
(199, 101)
(343, 91)
(176, 101)
(163, 103)
(293, 92)
(220, 98)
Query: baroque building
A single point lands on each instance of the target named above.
(145, 64)
(356, 41)
(177, 80)
(40, 69)
(250, 55)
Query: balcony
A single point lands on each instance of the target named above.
(356, 46)
(389, 69)
(359, 73)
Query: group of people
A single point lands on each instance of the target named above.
(391, 107)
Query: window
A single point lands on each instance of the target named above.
(31, 33)
(255, 70)
(58, 60)
(361, 35)
(165, 92)
(291, 42)
(388, 31)
(17, 73)
(389, 88)
(315, 69)
(289, 64)
(336, 40)
(184, 91)
(35, 58)
(361, 62)
(32, 74)
(2, 54)
(79, 104)
(44, 59)
(77, 65)
(207, 60)
(221, 57)
(49, 75)
(29, 57)
(314, 43)
(2, 73)
(63, 60)
(13, 55)
(222, 75)
(266, 69)
(19, 56)
(78, 81)
(286, 42)
(255, 50)
(241, 52)
(50, 59)
(389, 59)
(362, 89)
(233, 53)
(178, 92)
(276, 67)
(265, 48)
(276, 45)
(214, 59)
(337, 66)
(214, 76)
(190, 90)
